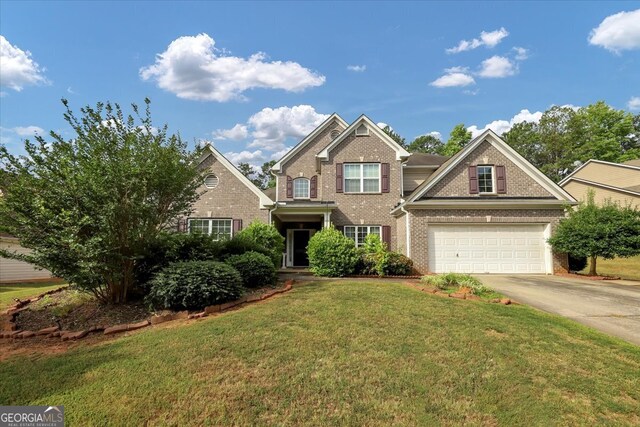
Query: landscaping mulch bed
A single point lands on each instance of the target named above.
(72, 311)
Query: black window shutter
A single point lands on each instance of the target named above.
(473, 180)
(313, 187)
(501, 180)
(386, 235)
(289, 187)
(386, 171)
(339, 177)
(237, 225)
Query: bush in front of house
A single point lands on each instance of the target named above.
(331, 253)
(256, 269)
(193, 285)
(266, 236)
(451, 281)
(577, 263)
(393, 264)
(168, 248)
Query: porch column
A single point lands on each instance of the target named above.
(327, 219)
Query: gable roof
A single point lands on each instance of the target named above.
(401, 153)
(631, 164)
(210, 151)
(278, 165)
(507, 151)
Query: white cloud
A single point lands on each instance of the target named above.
(453, 77)
(236, 133)
(17, 68)
(497, 67)
(28, 130)
(634, 103)
(489, 39)
(193, 68)
(357, 68)
(618, 32)
(521, 53)
(502, 126)
(435, 134)
(252, 157)
(272, 126)
(382, 125)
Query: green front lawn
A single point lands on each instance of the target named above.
(343, 353)
(626, 268)
(23, 291)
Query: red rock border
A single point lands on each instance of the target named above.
(8, 327)
(465, 296)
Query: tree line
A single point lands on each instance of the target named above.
(562, 140)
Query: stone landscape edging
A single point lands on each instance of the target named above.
(9, 327)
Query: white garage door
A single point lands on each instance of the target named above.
(487, 248)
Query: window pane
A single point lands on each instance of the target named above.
(371, 171)
(374, 230)
(301, 188)
(362, 233)
(199, 226)
(485, 181)
(352, 171)
(350, 232)
(352, 185)
(371, 185)
(221, 229)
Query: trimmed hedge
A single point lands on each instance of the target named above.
(331, 253)
(255, 268)
(194, 285)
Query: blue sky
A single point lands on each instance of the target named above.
(256, 77)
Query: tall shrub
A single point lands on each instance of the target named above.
(266, 236)
(331, 253)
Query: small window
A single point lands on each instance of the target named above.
(211, 181)
(362, 178)
(301, 188)
(219, 229)
(485, 179)
(362, 130)
(358, 233)
(334, 134)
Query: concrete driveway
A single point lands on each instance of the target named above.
(612, 307)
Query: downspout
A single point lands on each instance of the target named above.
(407, 226)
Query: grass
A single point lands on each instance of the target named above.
(344, 353)
(626, 268)
(24, 291)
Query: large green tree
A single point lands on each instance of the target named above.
(395, 136)
(458, 138)
(593, 231)
(566, 137)
(90, 205)
(426, 144)
(262, 178)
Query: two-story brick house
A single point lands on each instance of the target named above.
(486, 209)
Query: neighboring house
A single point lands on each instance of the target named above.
(12, 270)
(485, 210)
(619, 182)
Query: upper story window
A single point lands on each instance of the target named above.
(362, 177)
(211, 181)
(485, 179)
(362, 130)
(220, 229)
(301, 188)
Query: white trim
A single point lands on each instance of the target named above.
(356, 226)
(290, 249)
(366, 130)
(408, 228)
(300, 179)
(210, 225)
(493, 180)
(401, 153)
(264, 200)
(548, 251)
(508, 152)
(602, 162)
(483, 204)
(608, 187)
(277, 167)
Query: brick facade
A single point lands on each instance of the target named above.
(422, 218)
(230, 199)
(363, 209)
(456, 182)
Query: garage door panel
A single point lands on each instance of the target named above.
(476, 248)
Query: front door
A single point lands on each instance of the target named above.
(300, 242)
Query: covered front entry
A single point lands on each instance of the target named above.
(489, 248)
(298, 222)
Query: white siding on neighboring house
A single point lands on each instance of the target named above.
(12, 270)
